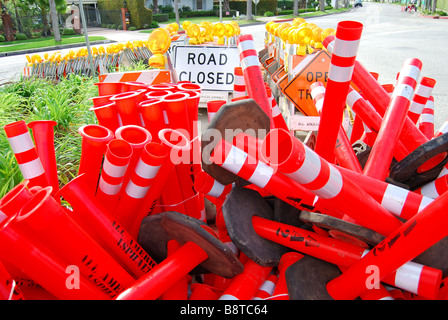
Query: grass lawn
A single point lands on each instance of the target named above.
(44, 43)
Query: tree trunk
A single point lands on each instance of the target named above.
(19, 24)
(249, 10)
(7, 27)
(54, 20)
(434, 6)
(155, 5)
(176, 11)
(322, 5)
(225, 5)
(296, 8)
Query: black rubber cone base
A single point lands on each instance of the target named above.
(406, 172)
(232, 118)
(307, 279)
(238, 209)
(182, 228)
(343, 230)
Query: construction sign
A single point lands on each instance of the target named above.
(144, 76)
(312, 69)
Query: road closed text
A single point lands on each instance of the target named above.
(211, 67)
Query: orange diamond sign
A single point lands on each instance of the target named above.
(314, 68)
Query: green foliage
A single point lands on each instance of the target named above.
(21, 36)
(132, 28)
(2, 38)
(262, 6)
(268, 14)
(68, 32)
(66, 102)
(160, 17)
(139, 13)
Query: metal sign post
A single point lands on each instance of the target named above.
(84, 26)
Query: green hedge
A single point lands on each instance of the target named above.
(160, 17)
(139, 14)
(262, 6)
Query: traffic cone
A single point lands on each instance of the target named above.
(26, 155)
(91, 214)
(382, 152)
(153, 117)
(435, 188)
(8, 286)
(107, 116)
(266, 178)
(343, 151)
(411, 276)
(137, 137)
(157, 94)
(245, 285)
(178, 144)
(45, 220)
(175, 106)
(281, 288)
(307, 168)
(348, 34)
(101, 100)
(189, 86)
(200, 291)
(133, 86)
(401, 202)
(141, 180)
(126, 104)
(178, 291)
(93, 147)
(14, 199)
(43, 134)
(253, 77)
(372, 91)
(421, 96)
(277, 116)
(213, 107)
(115, 164)
(109, 88)
(167, 273)
(239, 86)
(372, 120)
(267, 288)
(411, 239)
(426, 120)
(41, 264)
(162, 87)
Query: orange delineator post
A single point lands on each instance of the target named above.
(381, 154)
(348, 35)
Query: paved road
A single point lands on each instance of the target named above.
(389, 38)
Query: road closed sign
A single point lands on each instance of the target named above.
(211, 67)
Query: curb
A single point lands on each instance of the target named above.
(65, 46)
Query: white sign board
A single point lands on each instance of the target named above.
(211, 67)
